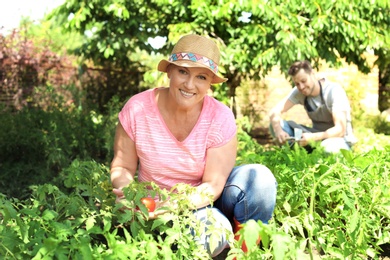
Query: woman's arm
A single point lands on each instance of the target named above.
(125, 161)
(219, 164)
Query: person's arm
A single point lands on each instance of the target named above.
(125, 161)
(338, 130)
(340, 125)
(276, 118)
(219, 164)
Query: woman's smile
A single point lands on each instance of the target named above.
(186, 94)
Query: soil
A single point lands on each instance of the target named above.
(262, 135)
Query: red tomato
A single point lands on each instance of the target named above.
(149, 203)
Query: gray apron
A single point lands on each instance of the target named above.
(323, 120)
(321, 116)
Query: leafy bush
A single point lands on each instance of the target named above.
(380, 124)
(35, 145)
(336, 205)
(333, 205)
(28, 62)
(85, 224)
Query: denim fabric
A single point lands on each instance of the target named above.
(213, 218)
(287, 128)
(249, 193)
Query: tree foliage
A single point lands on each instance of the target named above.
(254, 35)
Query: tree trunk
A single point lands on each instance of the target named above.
(384, 89)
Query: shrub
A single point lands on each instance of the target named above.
(84, 224)
(35, 145)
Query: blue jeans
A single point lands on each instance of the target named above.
(330, 145)
(249, 193)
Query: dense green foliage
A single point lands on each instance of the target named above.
(55, 195)
(336, 205)
(254, 35)
(35, 145)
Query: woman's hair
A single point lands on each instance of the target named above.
(298, 65)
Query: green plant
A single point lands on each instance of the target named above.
(355, 94)
(35, 145)
(81, 221)
(336, 205)
(381, 125)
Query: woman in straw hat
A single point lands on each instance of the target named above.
(179, 134)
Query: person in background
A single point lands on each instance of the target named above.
(327, 106)
(179, 134)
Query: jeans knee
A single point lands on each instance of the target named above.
(216, 223)
(251, 177)
(262, 176)
(264, 186)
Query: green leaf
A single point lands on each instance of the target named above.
(280, 246)
(90, 222)
(158, 222)
(127, 236)
(287, 207)
(8, 212)
(135, 228)
(349, 202)
(49, 214)
(333, 188)
(353, 222)
(348, 155)
(251, 233)
(62, 230)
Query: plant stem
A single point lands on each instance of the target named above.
(311, 209)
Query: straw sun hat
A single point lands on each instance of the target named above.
(195, 51)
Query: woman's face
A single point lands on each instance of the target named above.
(305, 82)
(189, 85)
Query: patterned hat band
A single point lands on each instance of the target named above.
(196, 58)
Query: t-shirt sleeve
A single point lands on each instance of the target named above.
(132, 112)
(223, 127)
(296, 97)
(338, 100)
(125, 116)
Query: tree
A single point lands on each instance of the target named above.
(254, 35)
(384, 79)
(31, 63)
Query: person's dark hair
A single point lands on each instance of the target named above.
(298, 65)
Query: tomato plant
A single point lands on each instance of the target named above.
(334, 204)
(149, 203)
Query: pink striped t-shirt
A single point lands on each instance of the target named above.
(163, 159)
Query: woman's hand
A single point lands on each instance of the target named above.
(161, 207)
(119, 195)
